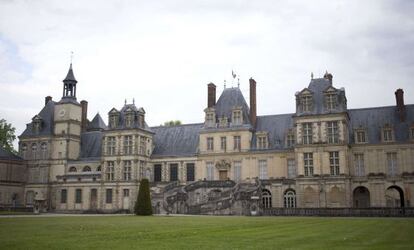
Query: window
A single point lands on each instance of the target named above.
(129, 120)
(127, 170)
(291, 168)
(387, 134)
(330, 101)
(63, 196)
(142, 145)
(266, 198)
(308, 160)
(98, 169)
(34, 150)
(126, 192)
(223, 143)
(174, 172)
(24, 150)
(290, 199)
(359, 165)
(332, 133)
(306, 103)
(108, 196)
(392, 164)
(72, 169)
(237, 117)
(190, 172)
(262, 169)
(412, 133)
(113, 121)
(307, 133)
(237, 170)
(210, 171)
(78, 196)
(210, 143)
(157, 172)
(290, 140)
(262, 142)
(43, 148)
(361, 136)
(127, 144)
(237, 145)
(110, 171)
(86, 169)
(334, 162)
(210, 121)
(110, 150)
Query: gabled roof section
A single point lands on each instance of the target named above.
(6, 155)
(277, 127)
(374, 119)
(176, 141)
(46, 114)
(97, 123)
(113, 111)
(229, 98)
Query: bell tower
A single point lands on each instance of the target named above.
(69, 85)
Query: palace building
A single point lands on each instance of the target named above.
(234, 162)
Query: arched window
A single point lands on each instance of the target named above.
(98, 169)
(86, 169)
(72, 169)
(290, 198)
(266, 198)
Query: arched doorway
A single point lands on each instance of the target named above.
(394, 197)
(266, 198)
(290, 198)
(361, 197)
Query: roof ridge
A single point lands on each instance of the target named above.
(181, 125)
(380, 107)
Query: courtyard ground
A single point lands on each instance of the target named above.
(204, 232)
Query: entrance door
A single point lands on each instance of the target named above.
(223, 175)
(125, 201)
(94, 198)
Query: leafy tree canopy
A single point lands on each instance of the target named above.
(172, 123)
(7, 135)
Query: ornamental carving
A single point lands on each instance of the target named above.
(223, 165)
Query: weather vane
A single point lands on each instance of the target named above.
(71, 57)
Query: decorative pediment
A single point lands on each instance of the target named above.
(113, 111)
(129, 110)
(305, 91)
(223, 165)
(330, 89)
(37, 118)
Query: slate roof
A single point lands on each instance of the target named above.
(6, 155)
(181, 140)
(122, 112)
(70, 76)
(91, 144)
(229, 98)
(374, 119)
(277, 127)
(46, 114)
(97, 123)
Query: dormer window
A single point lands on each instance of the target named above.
(360, 136)
(37, 124)
(113, 121)
(210, 121)
(129, 119)
(223, 122)
(306, 103)
(387, 134)
(290, 139)
(237, 116)
(330, 101)
(261, 140)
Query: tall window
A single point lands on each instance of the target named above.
(190, 172)
(392, 164)
(110, 150)
(34, 151)
(127, 144)
(110, 171)
(210, 171)
(266, 198)
(43, 148)
(237, 142)
(78, 196)
(63, 196)
(291, 168)
(359, 165)
(360, 136)
(108, 196)
(174, 172)
(223, 142)
(306, 103)
(237, 170)
(210, 143)
(330, 101)
(210, 122)
(333, 133)
(24, 150)
(113, 121)
(127, 170)
(237, 117)
(129, 120)
(262, 169)
(290, 140)
(290, 199)
(142, 146)
(387, 134)
(261, 142)
(157, 172)
(308, 160)
(307, 133)
(334, 162)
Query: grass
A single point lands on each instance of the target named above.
(131, 232)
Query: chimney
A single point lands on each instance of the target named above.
(253, 113)
(211, 98)
(47, 99)
(84, 117)
(399, 97)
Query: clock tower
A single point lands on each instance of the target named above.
(67, 121)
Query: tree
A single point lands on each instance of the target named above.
(172, 123)
(7, 136)
(143, 203)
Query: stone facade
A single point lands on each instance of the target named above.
(322, 156)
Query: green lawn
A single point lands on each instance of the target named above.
(131, 232)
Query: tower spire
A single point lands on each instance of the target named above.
(69, 83)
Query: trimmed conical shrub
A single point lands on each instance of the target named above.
(143, 203)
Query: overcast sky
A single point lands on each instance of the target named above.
(164, 53)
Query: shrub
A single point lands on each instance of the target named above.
(143, 203)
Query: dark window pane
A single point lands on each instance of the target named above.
(173, 172)
(157, 172)
(190, 171)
